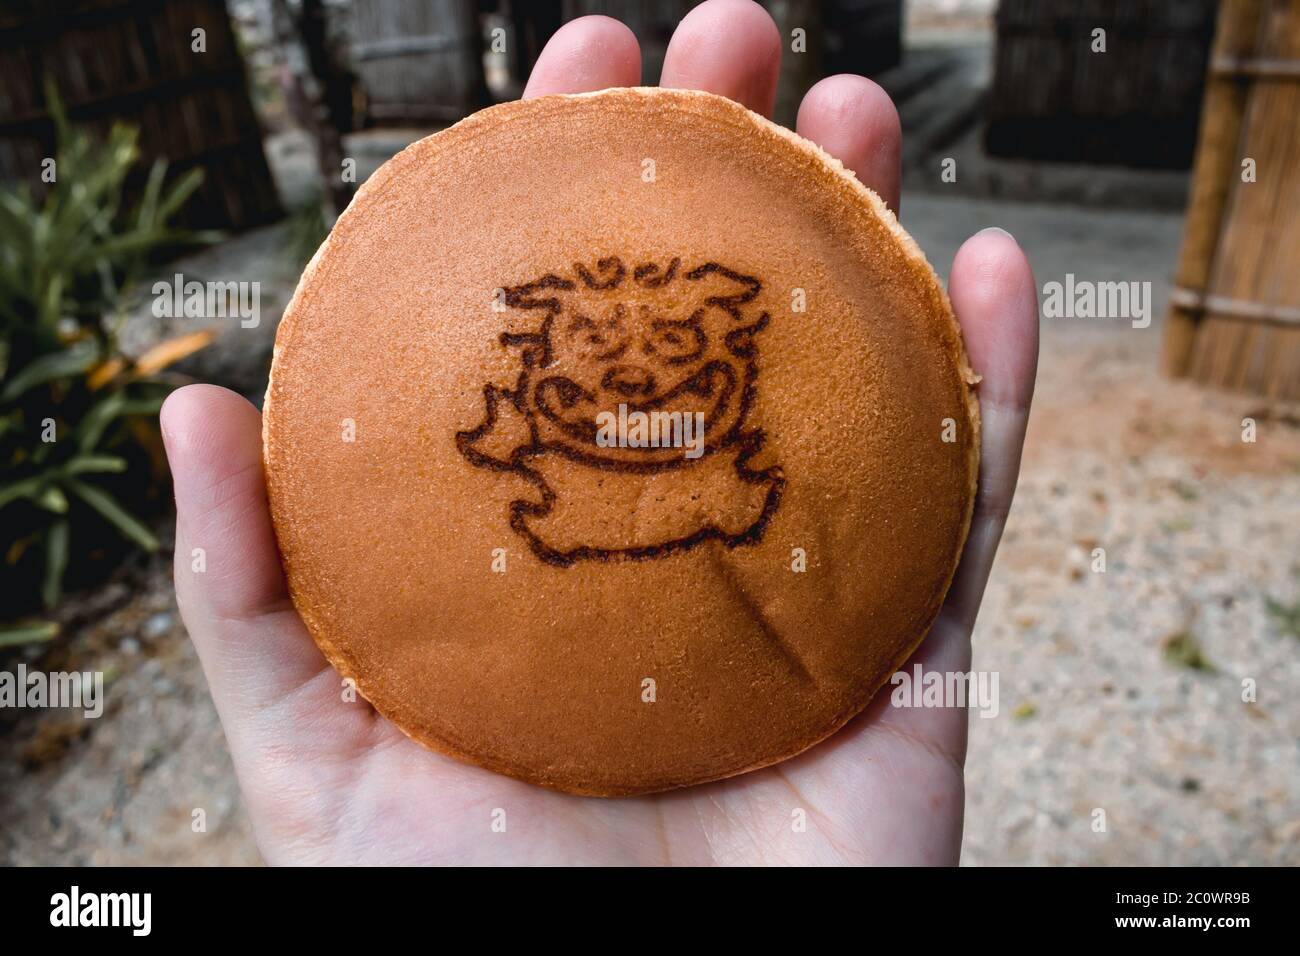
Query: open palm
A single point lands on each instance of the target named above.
(331, 781)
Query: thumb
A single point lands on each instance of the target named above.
(229, 582)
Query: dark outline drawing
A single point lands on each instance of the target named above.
(537, 355)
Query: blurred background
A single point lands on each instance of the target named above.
(1144, 613)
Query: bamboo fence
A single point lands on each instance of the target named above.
(1235, 310)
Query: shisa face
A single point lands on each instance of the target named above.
(674, 342)
(649, 342)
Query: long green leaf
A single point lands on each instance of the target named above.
(28, 633)
(83, 464)
(88, 434)
(181, 190)
(74, 360)
(114, 513)
(152, 192)
(56, 562)
(53, 499)
(91, 428)
(27, 488)
(144, 406)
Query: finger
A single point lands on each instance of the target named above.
(993, 294)
(992, 291)
(590, 53)
(229, 581)
(728, 47)
(855, 121)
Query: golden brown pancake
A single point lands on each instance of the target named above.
(619, 442)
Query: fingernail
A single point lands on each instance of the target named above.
(998, 230)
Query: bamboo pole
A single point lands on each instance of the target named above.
(1256, 259)
(1215, 171)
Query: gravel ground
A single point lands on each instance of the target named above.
(1120, 691)
(123, 789)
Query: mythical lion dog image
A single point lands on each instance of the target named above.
(663, 344)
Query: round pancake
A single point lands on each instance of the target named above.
(619, 442)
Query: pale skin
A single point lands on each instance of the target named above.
(327, 781)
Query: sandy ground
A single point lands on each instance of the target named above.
(1119, 691)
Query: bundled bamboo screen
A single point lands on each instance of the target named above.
(1235, 318)
(134, 61)
(1055, 98)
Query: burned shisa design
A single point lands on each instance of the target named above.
(629, 416)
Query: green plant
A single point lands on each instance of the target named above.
(76, 414)
(307, 229)
(1184, 650)
(1286, 616)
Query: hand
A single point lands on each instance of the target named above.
(330, 782)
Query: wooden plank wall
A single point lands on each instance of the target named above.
(1235, 317)
(114, 60)
(1137, 104)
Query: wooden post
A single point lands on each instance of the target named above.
(1214, 174)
